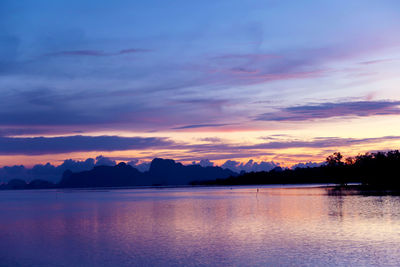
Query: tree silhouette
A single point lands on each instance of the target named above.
(335, 159)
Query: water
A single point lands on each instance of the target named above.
(198, 226)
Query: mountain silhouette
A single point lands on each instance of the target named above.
(168, 172)
(374, 171)
(104, 176)
(161, 172)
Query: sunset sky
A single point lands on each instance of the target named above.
(282, 81)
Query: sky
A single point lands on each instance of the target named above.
(272, 81)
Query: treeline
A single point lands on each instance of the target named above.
(377, 170)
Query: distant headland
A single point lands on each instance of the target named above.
(372, 170)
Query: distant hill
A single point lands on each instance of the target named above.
(161, 172)
(375, 171)
(21, 184)
(168, 172)
(104, 176)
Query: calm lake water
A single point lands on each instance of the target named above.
(198, 226)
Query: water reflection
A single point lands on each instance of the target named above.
(198, 226)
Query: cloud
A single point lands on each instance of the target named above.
(105, 88)
(330, 110)
(206, 163)
(90, 109)
(211, 139)
(309, 164)
(201, 126)
(104, 161)
(249, 69)
(377, 61)
(143, 166)
(252, 57)
(319, 142)
(22, 131)
(76, 165)
(231, 164)
(221, 151)
(93, 53)
(133, 50)
(250, 166)
(76, 143)
(97, 53)
(134, 95)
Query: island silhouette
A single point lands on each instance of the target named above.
(378, 170)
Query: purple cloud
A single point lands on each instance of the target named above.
(132, 50)
(211, 139)
(250, 166)
(105, 161)
(124, 109)
(23, 131)
(206, 163)
(97, 53)
(143, 167)
(76, 143)
(329, 110)
(246, 57)
(247, 69)
(224, 151)
(309, 164)
(201, 126)
(93, 53)
(320, 142)
(377, 61)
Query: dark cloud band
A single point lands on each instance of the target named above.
(330, 110)
(76, 143)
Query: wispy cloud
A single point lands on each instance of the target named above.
(377, 61)
(320, 142)
(211, 139)
(97, 53)
(213, 150)
(23, 131)
(132, 50)
(330, 110)
(93, 53)
(48, 108)
(245, 56)
(201, 126)
(226, 150)
(77, 143)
